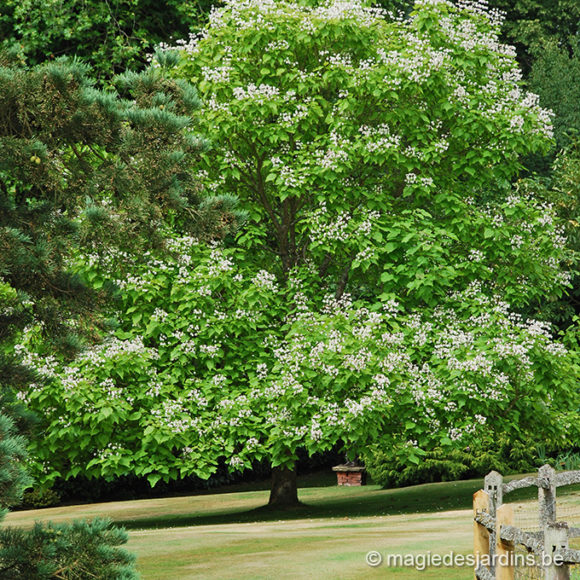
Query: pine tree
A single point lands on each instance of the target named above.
(12, 475)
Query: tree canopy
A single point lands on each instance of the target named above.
(356, 116)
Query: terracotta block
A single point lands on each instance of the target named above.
(350, 475)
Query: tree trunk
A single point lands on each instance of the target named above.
(284, 492)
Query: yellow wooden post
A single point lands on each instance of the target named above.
(504, 566)
(480, 533)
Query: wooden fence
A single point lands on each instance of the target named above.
(495, 536)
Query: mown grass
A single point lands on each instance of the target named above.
(232, 535)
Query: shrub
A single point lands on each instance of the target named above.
(40, 498)
(389, 470)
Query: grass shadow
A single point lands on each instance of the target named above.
(346, 503)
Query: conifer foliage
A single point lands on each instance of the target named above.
(12, 475)
(68, 551)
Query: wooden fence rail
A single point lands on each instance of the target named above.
(495, 536)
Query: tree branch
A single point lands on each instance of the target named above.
(343, 280)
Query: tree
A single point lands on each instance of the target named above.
(80, 169)
(366, 299)
(67, 551)
(555, 76)
(531, 25)
(13, 478)
(111, 36)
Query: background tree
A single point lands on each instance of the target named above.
(365, 299)
(555, 77)
(532, 24)
(111, 36)
(561, 189)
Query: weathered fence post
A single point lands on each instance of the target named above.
(555, 538)
(493, 484)
(546, 495)
(504, 551)
(480, 533)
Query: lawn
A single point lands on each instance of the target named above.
(230, 535)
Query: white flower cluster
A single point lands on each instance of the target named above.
(262, 370)
(46, 366)
(112, 449)
(331, 159)
(477, 364)
(219, 74)
(260, 94)
(218, 263)
(115, 347)
(379, 138)
(211, 350)
(110, 389)
(159, 314)
(236, 462)
(293, 117)
(358, 361)
(476, 255)
(174, 415)
(349, 10)
(265, 280)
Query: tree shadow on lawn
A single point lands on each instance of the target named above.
(335, 502)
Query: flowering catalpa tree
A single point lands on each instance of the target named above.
(369, 297)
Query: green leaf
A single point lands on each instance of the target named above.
(153, 479)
